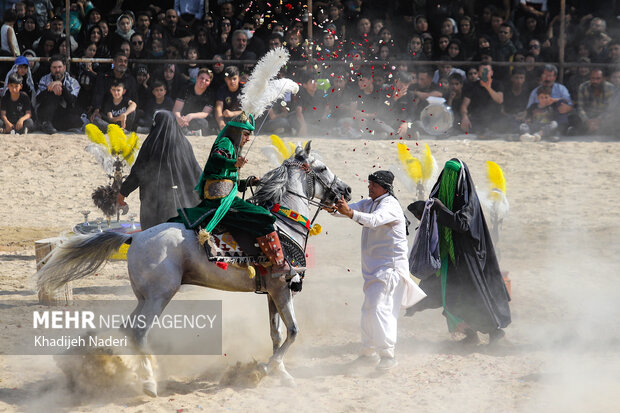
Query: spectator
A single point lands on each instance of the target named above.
(57, 31)
(481, 108)
(421, 25)
(22, 69)
(96, 36)
(467, 37)
(448, 27)
(227, 11)
(189, 72)
(224, 40)
(505, 48)
(218, 73)
(423, 89)
(454, 98)
(516, 96)
(398, 110)
(340, 100)
(194, 106)
(30, 33)
(577, 78)
(593, 100)
(176, 30)
(158, 100)
(543, 116)
(92, 19)
(558, 93)
(254, 43)
(227, 104)
(87, 77)
(442, 46)
(205, 43)
(614, 52)
(614, 78)
(143, 24)
(175, 85)
(238, 50)
(414, 50)
(9, 44)
(43, 11)
(368, 108)
(454, 50)
(16, 114)
(125, 47)
(445, 70)
(56, 99)
(142, 76)
(20, 14)
(137, 50)
(104, 82)
(117, 108)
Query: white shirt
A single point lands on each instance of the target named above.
(384, 237)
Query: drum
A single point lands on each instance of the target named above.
(437, 118)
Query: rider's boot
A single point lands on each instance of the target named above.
(270, 245)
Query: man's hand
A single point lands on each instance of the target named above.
(402, 129)
(8, 127)
(592, 125)
(240, 162)
(19, 125)
(120, 199)
(487, 84)
(343, 207)
(94, 115)
(465, 123)
(122, 118)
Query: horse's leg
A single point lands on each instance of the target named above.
(283, 301)
(148, 309)
(274, 324)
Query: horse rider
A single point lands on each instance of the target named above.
(218, 187)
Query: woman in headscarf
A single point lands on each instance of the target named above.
(29, 34)
(469, 286)
(166, 172)
(467, 37)
(124, 30)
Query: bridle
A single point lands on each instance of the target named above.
(311, 178)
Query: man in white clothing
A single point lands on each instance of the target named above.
(385, 267)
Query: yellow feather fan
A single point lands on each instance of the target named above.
(412, 165)
(428, 163)
(117, 137)
(96, 136)
(292, 147)
(131, 148)
(497, 181)
(280, 146)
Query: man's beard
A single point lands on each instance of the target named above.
(58, 76)
(120, 70)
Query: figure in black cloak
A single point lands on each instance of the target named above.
(469, 286)
(166, 172)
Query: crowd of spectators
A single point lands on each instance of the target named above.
(366, 68)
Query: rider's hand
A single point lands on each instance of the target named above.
(240, 162)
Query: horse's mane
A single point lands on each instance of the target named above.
(273, 184)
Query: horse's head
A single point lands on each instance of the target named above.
(323, 184)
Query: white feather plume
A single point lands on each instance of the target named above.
(102, 156)
(262, 88)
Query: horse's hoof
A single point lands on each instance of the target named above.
(288, 381)
(263, 368)
(150, 388)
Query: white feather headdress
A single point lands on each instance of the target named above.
(262, 88)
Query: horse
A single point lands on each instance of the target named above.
(162, 258)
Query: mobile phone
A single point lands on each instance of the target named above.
(485, 75)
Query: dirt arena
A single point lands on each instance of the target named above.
(559, 243)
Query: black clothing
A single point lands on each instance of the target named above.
(483, 111)
(166, 160)
(15, 109)
(104, 82)
(514, 104)
(229, 99)
(152, 106)
(194, 103)
(475, 289)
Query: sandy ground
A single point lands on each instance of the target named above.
(559, 243)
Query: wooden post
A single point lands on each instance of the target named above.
(562, 40)
(62, 296)
(68, 33)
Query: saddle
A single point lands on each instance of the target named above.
(236, 247)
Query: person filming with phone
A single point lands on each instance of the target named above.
(481, 109)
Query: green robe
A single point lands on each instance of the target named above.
(232, 211)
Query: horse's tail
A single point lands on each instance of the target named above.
(77, 257)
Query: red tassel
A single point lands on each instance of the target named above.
(222, 265)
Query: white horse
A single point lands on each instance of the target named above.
(163, 257)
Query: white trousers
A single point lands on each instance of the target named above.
(382, 302)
